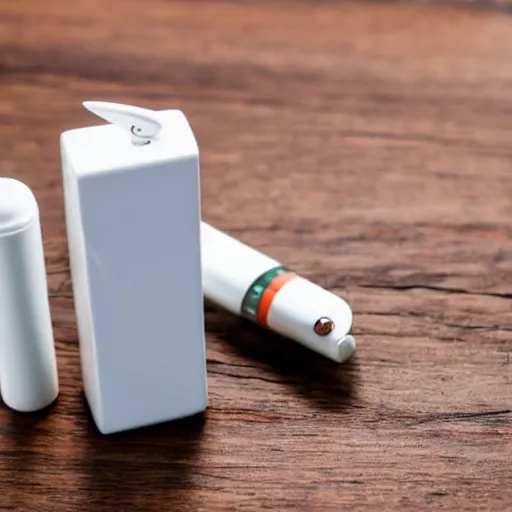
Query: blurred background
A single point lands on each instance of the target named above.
(286, 96)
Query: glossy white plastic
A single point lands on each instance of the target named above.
(140, 122)
(133, 222)
(229, 269)
(28, 367)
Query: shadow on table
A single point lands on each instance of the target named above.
(141, 470)
(326, 384)
(20, 453)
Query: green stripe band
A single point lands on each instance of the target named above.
(252, 297)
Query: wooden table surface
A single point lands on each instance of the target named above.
(366, 145)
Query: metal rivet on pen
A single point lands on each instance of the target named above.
(324, 326)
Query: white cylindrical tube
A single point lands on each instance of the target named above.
(28, 368)
(249, 283)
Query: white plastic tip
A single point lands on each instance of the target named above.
(346, 348)
(140, 122)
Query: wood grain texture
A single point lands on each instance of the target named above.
(366, 145)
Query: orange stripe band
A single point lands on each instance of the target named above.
(260, 295)
(269, 295)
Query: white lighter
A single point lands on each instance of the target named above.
(28, 367)
(132, 203)
(253, 285)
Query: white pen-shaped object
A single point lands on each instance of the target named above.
(28, 367)
(248, 283)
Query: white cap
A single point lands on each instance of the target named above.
(28, 368)
(17, 206)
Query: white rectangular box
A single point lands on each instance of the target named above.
(133, 224)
